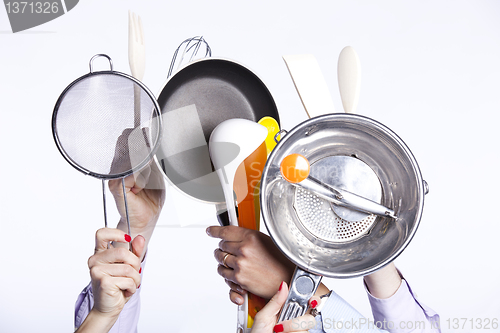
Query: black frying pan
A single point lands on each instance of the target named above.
(193, 102)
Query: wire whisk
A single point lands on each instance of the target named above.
(190, 47)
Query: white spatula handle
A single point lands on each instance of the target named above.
(349, 78)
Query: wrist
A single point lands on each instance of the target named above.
(97, 322)
(384, 283)
(105, 316)
(322, 290)
(145, 228)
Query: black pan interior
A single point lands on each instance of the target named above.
(219, 90)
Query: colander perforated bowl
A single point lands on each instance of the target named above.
(305, 227)
(319, 219)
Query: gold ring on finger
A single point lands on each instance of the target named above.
(224, 260)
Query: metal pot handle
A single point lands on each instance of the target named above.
(279, 135)
(302, 288)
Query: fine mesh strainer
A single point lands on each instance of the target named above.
(308, 230)
(93, 126)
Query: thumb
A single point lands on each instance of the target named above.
(138, 245)
(273, 307)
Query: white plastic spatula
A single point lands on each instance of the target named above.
(349, 78)
(310, 84)
(245, 134)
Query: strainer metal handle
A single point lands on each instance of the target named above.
(97, 56)
(302, 288)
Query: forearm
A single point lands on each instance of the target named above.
(383, 283)
(97, 323)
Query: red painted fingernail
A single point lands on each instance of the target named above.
(127, 238)
(138, 286)
(281, 285)
(278, 328)
(140, 270)
(314, 303)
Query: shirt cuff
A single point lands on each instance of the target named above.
(402, 312)
(340, 317)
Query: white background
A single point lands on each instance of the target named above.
(431, 72)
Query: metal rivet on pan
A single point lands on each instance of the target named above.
(304, 285)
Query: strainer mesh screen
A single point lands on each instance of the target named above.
(317, 216)
(95, 129)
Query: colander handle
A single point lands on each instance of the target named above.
(302, 288)
(345, 198)
(280, 135)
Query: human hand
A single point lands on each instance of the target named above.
(254, 263)
(265, 320)
(114, 271)
(145, 193)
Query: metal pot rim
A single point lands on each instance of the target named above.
(275, 232)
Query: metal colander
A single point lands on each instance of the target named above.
(330, 222)
(319, 219)
(102, 129)
(309, 231)
(306, 228)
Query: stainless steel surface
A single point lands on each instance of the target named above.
(352, 201)
(340, 172)
(103, 181)
(302, 288)
(320, 221)
(126, 212)
(400, 180)
(280, 133)
(91, 66)
(350, 174)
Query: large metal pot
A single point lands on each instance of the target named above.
(401, 183)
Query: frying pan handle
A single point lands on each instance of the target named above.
(223, 219)
(222, 214)
(302, 288)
